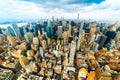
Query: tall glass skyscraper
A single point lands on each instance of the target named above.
(10, 30)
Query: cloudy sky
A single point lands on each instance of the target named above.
(11, 10)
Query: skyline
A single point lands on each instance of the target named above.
(17, 10)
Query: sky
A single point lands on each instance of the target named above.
(15, 10)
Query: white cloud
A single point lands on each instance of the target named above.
(57, 11)
(108, 10)
(20, 10)
(14, 9)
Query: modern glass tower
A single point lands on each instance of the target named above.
(11, 31)
(49, 28)
(35, 29)
(16, 30)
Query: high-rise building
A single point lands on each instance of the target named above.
(5, 32)
(80, 36)
(65, 37)
(49, 23)
(49, 28)
(64, 23)
(69, 30)
(22, 32)
(35, 29)
(110, 35)
(114, 27)
(41, 52)
(16, 30)
(29, 37)
(0, 31)
(60, 31)
(72, 53)
(102, 41)
(92, 29)
(117, 37)
(95, 46)
(78, 42)
(11, 40)
(11, 32)
(49, 31)
(97, 37)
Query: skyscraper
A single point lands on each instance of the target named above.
(0, 31)
(60, 31)
(35, 29)
(22, 32)
(64, 23)
(72, 53)
(102, 41)
(10, 30)
(49, 28)
(111, 34)
(69, 30)
(49, 31)
(80, 36)
(49, 23)
(92, 29)
(29, 37)
(16, 30)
